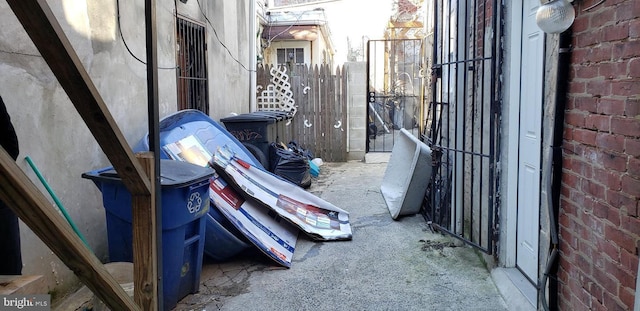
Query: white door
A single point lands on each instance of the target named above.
(530, 140)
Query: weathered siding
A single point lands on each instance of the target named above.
(599, 224)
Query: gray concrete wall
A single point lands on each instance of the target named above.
(357, 110)
(50, 130)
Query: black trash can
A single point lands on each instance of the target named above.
(258, 129)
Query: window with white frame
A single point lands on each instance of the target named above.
(295, 55)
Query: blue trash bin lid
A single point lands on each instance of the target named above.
(172, 174)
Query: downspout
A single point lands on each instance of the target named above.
(554, 167)
(253, 46)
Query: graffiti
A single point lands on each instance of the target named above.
(246, 135)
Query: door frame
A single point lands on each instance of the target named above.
(510, 219)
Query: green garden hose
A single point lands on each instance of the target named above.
(56, 200)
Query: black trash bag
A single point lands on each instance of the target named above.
(290, 165)
(293, 145)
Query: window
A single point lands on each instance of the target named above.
(295, 55)
(193, 92)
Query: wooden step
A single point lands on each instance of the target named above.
(22, 284)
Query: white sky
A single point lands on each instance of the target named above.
(353, 19)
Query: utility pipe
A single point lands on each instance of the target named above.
(554, 179)
(253, 46)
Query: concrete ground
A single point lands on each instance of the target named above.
(389, 264)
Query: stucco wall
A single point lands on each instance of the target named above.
(50, 130)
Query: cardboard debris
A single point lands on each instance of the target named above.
(318, 218)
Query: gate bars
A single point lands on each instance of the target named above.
(394, 85)
(462, 127)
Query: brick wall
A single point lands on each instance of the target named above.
(599, 224)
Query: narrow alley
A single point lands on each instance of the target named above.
(389, 265)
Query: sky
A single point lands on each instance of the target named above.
(353, 19)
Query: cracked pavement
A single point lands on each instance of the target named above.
(389, 265)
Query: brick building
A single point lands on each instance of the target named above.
(599, 228)
(539, 147)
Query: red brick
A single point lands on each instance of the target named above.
(613, 70)
(588, 104)
(595, 290)
(625, 50)
(595, 189)
(599, 87)
(629, 260)
(579, 55)
(571, 180)
(623, 201)
(628, 10)
(616, 32)
(634, 29)
(627, 296)
(634, 68)
(586, 71)
(597, 122)
(610, 142)
(625, 126)
(632, 226)
(611, 106)
(586, 137)
(620, 238)
(598, 16)
(632, 107)
(580, 25)
(602, 52)
(567, 207)
(624, 276)
(606, 280)
(593, 225)
(631, 186)
(632, 146)
(634, 167)
(611, 179)
(576, 87)
(607, 212)
(589, 38)
(605, 246)
(625, 88)
(613, 303)
(614, 161)
(575, 118)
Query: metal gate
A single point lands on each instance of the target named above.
(394, 83)
(462, 121)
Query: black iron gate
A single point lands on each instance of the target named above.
(462, 120)
(394, 90)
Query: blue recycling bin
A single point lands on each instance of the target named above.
(185, 202)
(222, 241)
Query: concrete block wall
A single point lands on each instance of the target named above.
(357, 101)
(599, 223)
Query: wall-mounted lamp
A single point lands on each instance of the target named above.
(555, 16)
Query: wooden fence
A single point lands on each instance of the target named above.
(320, 122)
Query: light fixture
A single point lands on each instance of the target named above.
(555, 16)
